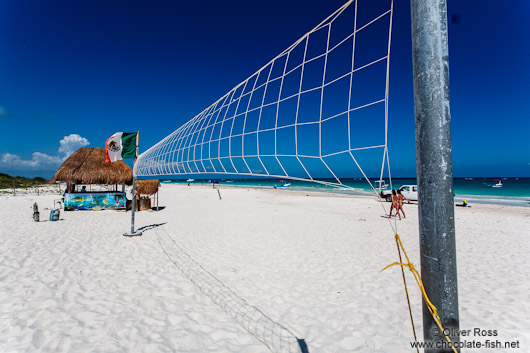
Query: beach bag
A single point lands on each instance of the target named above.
(54, 215)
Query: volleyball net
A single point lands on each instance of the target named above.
(318, 110)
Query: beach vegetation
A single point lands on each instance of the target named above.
(8, 181)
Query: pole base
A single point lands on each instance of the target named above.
(133, 234)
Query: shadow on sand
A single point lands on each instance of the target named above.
(149, 227)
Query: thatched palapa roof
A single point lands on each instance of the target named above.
(87, 166)
(147, 187)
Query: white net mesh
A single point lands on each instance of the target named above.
(319, 110)
(316, 111)
(271, 333)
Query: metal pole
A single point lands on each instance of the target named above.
(133, 233)
(133, 208)
(434, 166)
(133, 201)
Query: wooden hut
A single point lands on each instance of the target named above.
(145, 189)
(87, 166)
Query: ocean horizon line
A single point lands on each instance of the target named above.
(246, 177)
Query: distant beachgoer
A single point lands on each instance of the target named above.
(400, 198)
(83, 189)
(395, 204)
(464, 204)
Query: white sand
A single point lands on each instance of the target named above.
(310, 263)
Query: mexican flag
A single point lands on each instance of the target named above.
(121, 145)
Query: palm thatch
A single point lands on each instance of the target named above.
(147, 187)
(87, 166)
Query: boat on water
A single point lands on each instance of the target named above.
(498, 185)
(380, 184)
(285, 185)
(190, 180)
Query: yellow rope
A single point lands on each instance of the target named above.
(417, 277)
(408, 299)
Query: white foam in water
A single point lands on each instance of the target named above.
(495, 200)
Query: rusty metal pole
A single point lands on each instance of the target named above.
(434, 168)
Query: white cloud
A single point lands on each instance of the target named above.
(39, 161)
(71, 143)
(42, 161)
(9, 158)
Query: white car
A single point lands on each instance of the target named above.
(409, 191)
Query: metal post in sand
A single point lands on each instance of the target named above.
(430, 56)
(133, 208)
(133, 233)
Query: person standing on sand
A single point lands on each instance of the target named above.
(395, 204)
(400, 198)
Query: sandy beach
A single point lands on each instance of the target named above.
(227, 275)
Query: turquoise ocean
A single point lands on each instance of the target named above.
(515, 191)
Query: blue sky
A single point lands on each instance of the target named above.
(73, 73)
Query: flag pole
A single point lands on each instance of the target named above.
(133, 233)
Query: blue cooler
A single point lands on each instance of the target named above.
(54, 215)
